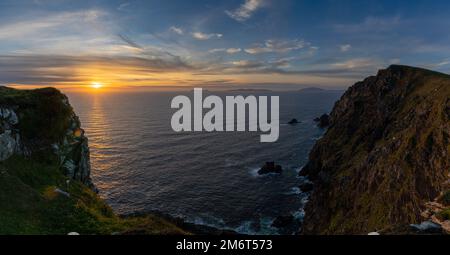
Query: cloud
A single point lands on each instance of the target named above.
(437, 65)
(259, 67)
(277, 46)
(246, 10)
(76, 70)
(443, 63)
(122, 6)
(79, 22)
(357, 63)
(130, 42)
(202, 36)
(233, 50)
(371, 24)
(87, 31)
(176, 30)
(229, 50)
(345, 47)
(248, 64)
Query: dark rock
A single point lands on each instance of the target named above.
(293, 122)
(306, 187)
(287, 225)
(283, 221)
(323, 121)
(270, 167)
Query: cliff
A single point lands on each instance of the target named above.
(385, 157)
(42, 121)
(45, 183)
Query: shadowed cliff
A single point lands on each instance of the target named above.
(385, 155)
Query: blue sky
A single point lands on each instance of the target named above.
(283, 43)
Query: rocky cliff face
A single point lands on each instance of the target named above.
(9, 134)
(42, 121)
(385, 155)
(45, 184)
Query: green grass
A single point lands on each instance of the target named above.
(41, 112)
(444, 214)
(446, 198)
(30, 205)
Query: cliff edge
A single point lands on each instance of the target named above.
(45, 183)
(385, 157)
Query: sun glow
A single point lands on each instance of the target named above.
(96, 85)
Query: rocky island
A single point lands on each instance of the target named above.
(45, 183)
(384, 162)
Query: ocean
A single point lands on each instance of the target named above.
(140, 165)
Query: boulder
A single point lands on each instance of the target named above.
(306, 187)
(293, 122)
(287, 225)
(284, 221)
(323, 121)
(270, 167)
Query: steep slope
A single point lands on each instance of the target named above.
(45, 184)
(384, 156)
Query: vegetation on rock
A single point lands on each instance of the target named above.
(384, 156)
(37, 193)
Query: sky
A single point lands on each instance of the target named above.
(277, 44)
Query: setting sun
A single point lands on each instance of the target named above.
(96, 85)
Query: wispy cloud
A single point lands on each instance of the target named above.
(123, 6)
(229, 50)
(76, 70)
(371, 24)
(203, 36)
(50, 25)
(443, 63)
(130, 42)
(278, 46)
(176, 30)
(345, 47)
(246, 10)
(357, 63)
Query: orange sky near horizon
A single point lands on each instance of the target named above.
(112, 77)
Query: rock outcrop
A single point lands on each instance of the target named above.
(9, 134)
(45, 184)
(73, 153)
(293, 122)
(270, 167)
(384, 156)
(40, 121)
(323, 121)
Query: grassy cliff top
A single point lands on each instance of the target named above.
(36, 197)
(31, 204)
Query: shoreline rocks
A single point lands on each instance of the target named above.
(287, 224)
(306, 187)
(323, 121)
(270, 167)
